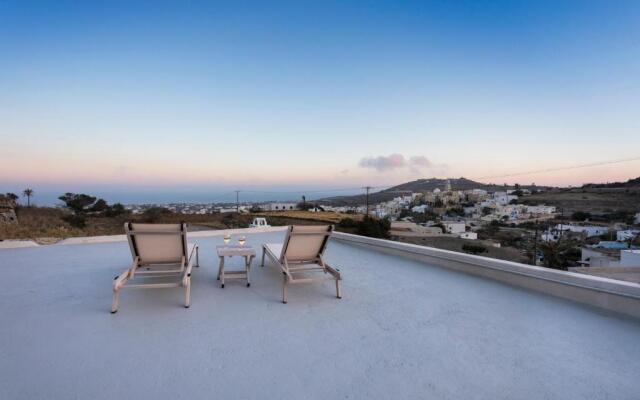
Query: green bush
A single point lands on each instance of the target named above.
(474, 248)
(347, 223)
(373, 227)
(154, 214)
(75, 220)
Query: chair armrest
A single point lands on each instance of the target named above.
(187, 271)
(121, 279)
(333, 271)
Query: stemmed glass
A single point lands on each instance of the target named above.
(242, 240)
(226, 238)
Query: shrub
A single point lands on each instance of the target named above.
(373, 227)
(75, 220)
(115, 210)
(154, 214)
(580, 216)
(347, 223)
(474, 248)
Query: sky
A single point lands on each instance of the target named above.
(204, 96)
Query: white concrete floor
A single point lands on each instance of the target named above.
(403, 330)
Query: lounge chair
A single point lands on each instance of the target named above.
(301, 254)
(162, 258)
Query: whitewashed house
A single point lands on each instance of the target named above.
(629, 234)
(630, 258)
(454, 227)
(588, 230)
(281, 206)
(420, 209)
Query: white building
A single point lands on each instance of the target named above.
(420, 209)
(542, 209)
(468, 235)
(630, 258)
(623, 236)
(281, 206)
(454, 227)
(503, 198)
(589, 230)
(600, 258)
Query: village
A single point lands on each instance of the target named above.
(501, 224)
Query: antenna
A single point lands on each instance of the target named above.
(237, 201)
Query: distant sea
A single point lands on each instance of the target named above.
(51, 198)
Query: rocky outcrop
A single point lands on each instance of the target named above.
(7, 211)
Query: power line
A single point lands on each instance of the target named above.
(596, 164)
(352, 189)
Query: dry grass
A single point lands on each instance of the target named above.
(44, 225)
(591, 200)
(328, 216)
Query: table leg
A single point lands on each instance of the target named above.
(247, 261)
(221, 272)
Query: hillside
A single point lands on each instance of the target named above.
(631, 183)
(593, 200)
(420, 185)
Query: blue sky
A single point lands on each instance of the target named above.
(315, 94)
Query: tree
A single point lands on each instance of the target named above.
(560, 254)
(99, 206)
(78, 203)
(115, 210)
(13, 197)
(28, 193)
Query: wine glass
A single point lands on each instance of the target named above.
(226, 238)
(242, 240)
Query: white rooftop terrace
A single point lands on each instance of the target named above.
(404, 329)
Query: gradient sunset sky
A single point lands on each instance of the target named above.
(320, 94)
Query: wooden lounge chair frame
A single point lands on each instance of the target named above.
(180, 267)
(294, 266)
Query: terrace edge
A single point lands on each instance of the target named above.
(609, 294)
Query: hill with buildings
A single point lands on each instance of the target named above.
(422, 185)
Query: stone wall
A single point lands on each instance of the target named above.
(7, 211)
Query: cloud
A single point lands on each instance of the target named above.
(384, 163)
(420, 161)
(396, 161)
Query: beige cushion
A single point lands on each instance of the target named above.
(154, 248)
(305, 247)
(275, 249)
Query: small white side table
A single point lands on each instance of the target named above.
(235, 250)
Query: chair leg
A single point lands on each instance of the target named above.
(197, 257)
(114, 302)
(187, 294)
(285, 283)
(338, 295)
(263, 251)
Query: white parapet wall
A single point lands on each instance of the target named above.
(610, 294)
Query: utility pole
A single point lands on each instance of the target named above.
(535, 245)
(237, 201)
(367, 188)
